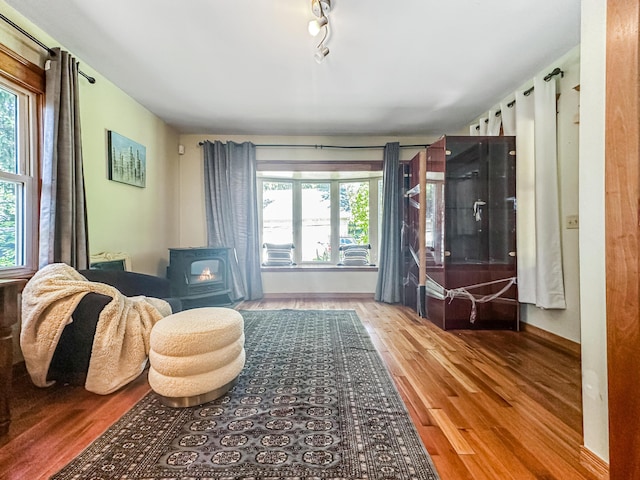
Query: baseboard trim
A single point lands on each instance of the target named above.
(565, 343)
(594, 463)
(317, 295)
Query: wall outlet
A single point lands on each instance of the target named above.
(572, 221)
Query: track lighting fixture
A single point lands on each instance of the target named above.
(321, 9)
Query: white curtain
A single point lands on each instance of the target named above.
(540, 275)
(508, 114)
(532, 119)
(549, 275)
(526, 197)
(494, 124)
(484, 122)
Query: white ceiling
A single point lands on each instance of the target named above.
(246, 66)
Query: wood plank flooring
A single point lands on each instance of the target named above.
(492, 405)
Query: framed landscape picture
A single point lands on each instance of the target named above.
(127, 160)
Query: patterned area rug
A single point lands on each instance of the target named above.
(314, 402)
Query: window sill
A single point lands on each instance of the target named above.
(17, 274)
(320, 268)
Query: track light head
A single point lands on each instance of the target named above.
(321, 53)
(316, 25)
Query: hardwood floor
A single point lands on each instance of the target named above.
(487, 404)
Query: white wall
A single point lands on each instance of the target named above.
(315, 281)
(595, 406)
(193, 217)
(139, 221)
(565, 323)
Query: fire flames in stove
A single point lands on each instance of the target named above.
(206, 275)
(198, 272)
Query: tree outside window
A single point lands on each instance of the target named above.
(354, 213)
(9, 191)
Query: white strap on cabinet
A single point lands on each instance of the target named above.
(463, 292)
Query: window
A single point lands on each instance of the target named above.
(354, 213)
(277, 212)
(315, 222)
(320, 211)
(18, 160)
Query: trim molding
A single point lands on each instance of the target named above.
(325, 166)
(562, 342)
(21, 71)
(319, 268)
(594, 463)
(319, 295)
(622, 235)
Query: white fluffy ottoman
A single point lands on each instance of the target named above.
(196, 355)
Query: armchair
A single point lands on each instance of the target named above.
(70, 360)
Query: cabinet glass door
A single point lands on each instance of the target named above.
(501, 203)
(480, 202)
(466, 199)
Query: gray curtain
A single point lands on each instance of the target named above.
(232, 211)
(63, 214)
(389, 286)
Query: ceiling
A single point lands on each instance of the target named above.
(409, 67)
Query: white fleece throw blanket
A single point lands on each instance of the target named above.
(120, 345)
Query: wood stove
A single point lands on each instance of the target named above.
(199, 272)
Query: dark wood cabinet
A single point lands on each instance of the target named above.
(470, 234)
(459, 233)
(412, 238)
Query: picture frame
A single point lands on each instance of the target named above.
(127, 160)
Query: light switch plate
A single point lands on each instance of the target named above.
(572, 221)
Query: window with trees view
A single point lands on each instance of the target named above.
(319, 214)
(18, 200)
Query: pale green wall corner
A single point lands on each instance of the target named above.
(139, 221)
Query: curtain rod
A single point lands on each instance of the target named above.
(42, 45)
(320, 147)
(526, 93)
